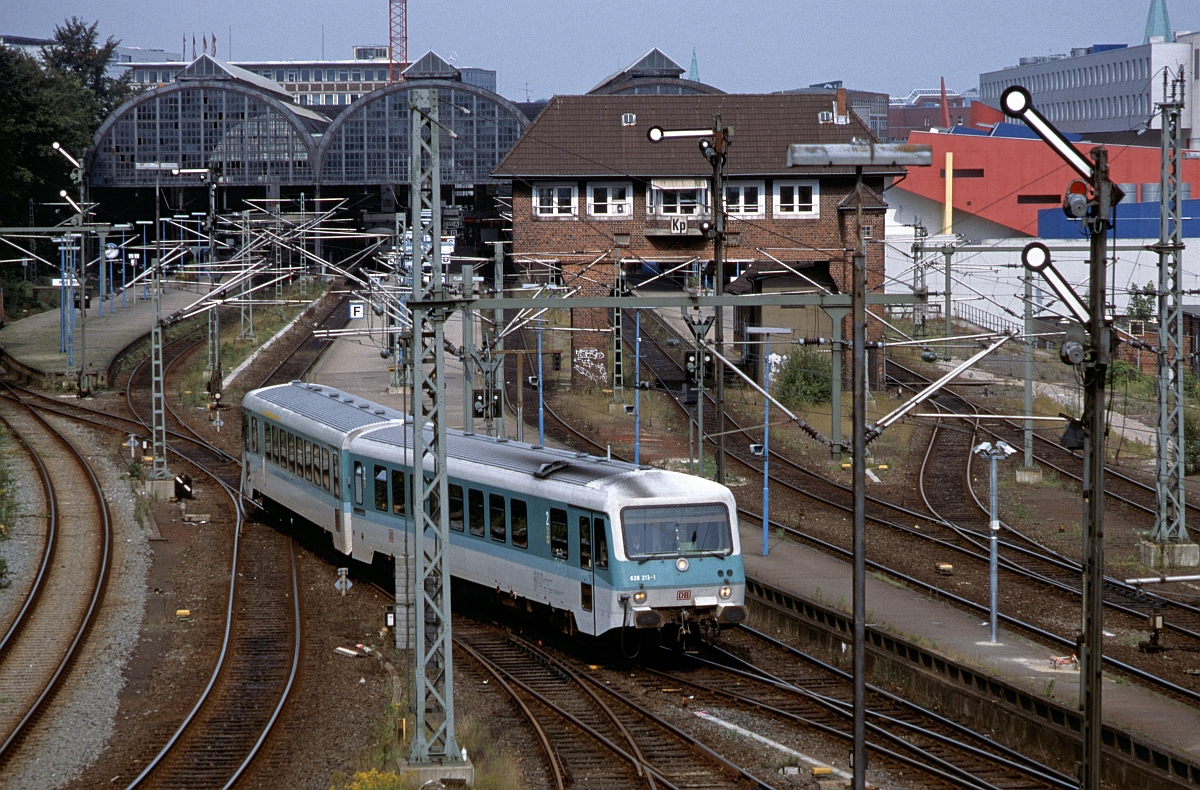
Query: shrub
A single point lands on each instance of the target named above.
(804, 377)
(1191, 441)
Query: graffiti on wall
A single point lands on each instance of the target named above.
(590, 364)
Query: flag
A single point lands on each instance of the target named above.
(183, 52)
(193, 46)
(214, 42)
(204, 44)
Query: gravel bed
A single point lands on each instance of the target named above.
(23, 549)
(76, 727)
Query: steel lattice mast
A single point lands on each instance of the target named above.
(433, 740)
(1169, 522)
(397, 38)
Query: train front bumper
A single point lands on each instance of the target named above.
(645, 617)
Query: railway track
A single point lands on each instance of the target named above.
(259, 654)
(44, 639)
(768, 677)
(924, 530)
(592, 734)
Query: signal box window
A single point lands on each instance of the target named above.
(678, 202)
(797, 200)
(398, 498)
(520, 523)
(381, 502)
(554, 201)
(609, 200)
(559, 540)
(456, 507)
(496, 516)
(744, 199)
(475, 512)
(585, 542)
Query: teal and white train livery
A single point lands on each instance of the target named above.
(598, 544)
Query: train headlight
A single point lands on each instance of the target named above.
(726, 591)
(639, 597)
(681, 564)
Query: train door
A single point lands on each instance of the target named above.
(588, 523)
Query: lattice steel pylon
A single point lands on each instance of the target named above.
(397, 38)
(247, 304)
(1169, 522)
(158, 396)
(433, 740)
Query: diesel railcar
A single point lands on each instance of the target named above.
(600, 544)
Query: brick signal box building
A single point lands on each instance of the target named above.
(593, 196)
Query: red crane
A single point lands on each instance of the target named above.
(398, 40)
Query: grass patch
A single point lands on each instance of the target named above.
(193, 390)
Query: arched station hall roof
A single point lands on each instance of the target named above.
(219, 114)
(215, 114)
(368, 143)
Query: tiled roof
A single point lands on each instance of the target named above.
(584, 136)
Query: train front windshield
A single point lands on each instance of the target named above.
(676, 531)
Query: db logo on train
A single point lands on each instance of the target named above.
(683, 595)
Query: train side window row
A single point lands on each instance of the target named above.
(301, 457)
(487, 515)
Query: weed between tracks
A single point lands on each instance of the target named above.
(193, 390)
(495, 769)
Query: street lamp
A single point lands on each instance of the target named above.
(993, 453)
(765, 332)
(859, 155)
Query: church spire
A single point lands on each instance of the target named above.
(694, 72)
(1158, 23)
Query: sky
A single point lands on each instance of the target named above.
(540, 48)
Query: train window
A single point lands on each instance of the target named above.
(245, 432)
(398, 488)
(308, 464)
(456, 509)
(499, 523)
(324, 468)
(585, 542)
(600, 544)
(519, 514)
(559, 540)
(475, 512)
(275, 443)
(337, 474)
(358, 483)
(292, 452)
(381, 488)
(267, 444)
(254, 434)
(585, 596)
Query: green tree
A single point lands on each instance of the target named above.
(1142, 303)
(804, 377)
(37, 108)
(76, 52)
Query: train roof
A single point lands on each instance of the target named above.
(327, 406)
(343, 412)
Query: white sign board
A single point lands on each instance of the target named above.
(71, 282)
(679, 226)
(357, 310)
